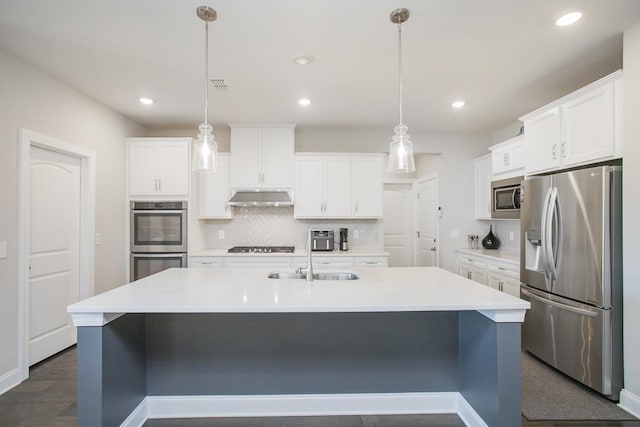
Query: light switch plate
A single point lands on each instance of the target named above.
(3, 250)
(220, 234)
(98, 239)
(511, 235)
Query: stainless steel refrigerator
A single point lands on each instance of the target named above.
(571, 273)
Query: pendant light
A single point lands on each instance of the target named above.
(401, 147)
(205, 148)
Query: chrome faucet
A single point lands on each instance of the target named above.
(309, 268)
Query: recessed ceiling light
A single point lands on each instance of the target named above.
(457, 104)
(568, 19)
(303, 60)
(304, 102)
(146, 101)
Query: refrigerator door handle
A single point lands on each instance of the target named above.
(560, 305)
(552, 253)
(543, 233)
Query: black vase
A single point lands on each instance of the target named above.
(490, 241)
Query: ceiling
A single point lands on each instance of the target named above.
(503, 57)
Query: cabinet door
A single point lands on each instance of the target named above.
(542, 142)
(158, 167)
(511, 286)
(494, 281)
(588, 127)
(367, 187)
(472, 272)
(482, 172)
(309, 192)
(172, 166)
(143, 169)
(246, 157)
(277, 157)
(213, 192)
(337, 189)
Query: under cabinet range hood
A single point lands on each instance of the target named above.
(260, 198)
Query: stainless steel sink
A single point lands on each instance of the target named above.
(329, 275)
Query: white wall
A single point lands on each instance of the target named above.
(35, 101)
(631, 225)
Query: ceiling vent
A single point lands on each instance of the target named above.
(220, 85)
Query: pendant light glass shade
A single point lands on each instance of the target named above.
(205, 148)
(401, 148)
(401, 152)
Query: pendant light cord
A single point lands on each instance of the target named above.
(206, 67)
(400, 87)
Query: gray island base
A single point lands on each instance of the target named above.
(144, 365)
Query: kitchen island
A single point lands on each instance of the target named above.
(231, 342)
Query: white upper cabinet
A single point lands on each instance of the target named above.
(482, 176)
(507, 158)
(366, 173)
(158, 166)
(323, 187)
(262, 156)
(213, 191)
(580, 128)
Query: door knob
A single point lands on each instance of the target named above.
(433, 249)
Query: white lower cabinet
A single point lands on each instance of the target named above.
(257, 261)
(503, 276)
(288, 262)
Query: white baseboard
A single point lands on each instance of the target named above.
(630, 403)
(303, 405)
(10, 380)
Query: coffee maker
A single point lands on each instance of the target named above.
(344, 244)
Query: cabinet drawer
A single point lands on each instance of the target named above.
(274, 262)
(371, 261)
(507, 269)
(205, 262)
(474, 261)
(325, 262)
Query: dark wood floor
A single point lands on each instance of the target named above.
(48, 399)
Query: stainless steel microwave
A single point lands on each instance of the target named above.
(505, 198)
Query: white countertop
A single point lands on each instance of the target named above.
(495, 254)
(232, 290)
(298, 252)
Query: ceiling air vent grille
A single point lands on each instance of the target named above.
(220, 85)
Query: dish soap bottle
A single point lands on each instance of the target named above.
(490, 241)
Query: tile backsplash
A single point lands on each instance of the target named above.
(275, 226)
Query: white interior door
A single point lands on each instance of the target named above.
(398, 210)
(54, 258)
(427, 222)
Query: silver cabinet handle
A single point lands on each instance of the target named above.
(554, 151)
(356, 207)
(563, 149)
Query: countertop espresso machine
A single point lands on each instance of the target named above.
(344, 234)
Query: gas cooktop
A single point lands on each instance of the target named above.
(261, 250)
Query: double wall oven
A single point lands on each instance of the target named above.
(158, 237)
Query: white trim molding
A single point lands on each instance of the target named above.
(93, 319)
(87, 157)
(505, 316)
(10, 380)
(303, 405)
(630, 402)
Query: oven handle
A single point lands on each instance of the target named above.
(159, 255)
(175, 211)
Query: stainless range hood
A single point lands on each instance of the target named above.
(260, 198)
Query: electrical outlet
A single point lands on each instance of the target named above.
(511, 235)
(98, 239)
(455, 234)
(356, 234)
(221, 234)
